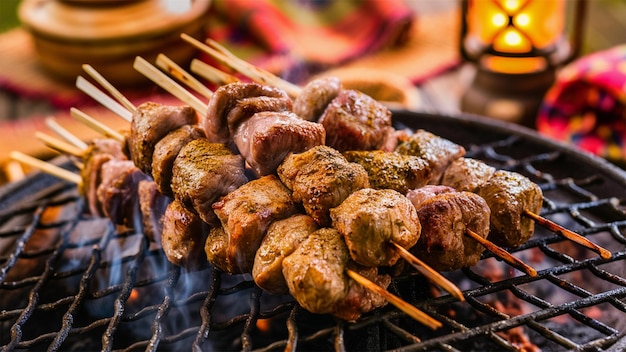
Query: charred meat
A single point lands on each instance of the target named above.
(183, 237)
(267, 137)
(437, 151)
(166, 151)
(321, 178)
(246, 213)
(203, 172)
(152, 205)
(389, 170)
(355, 121)
(315, 275)
(225, 100)
(445, 214)
(370, 219)
(282, 238)
(508, 194)
(315, 97)
(150, 123)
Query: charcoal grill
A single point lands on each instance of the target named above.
(73, 282)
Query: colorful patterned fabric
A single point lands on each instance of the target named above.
(297, 38)
(587, 105)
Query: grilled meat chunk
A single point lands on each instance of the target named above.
(99, 152)
(183, 237)
(117, 193)
(465, 174)
(246, 107)
(282, 238)
(370, 219)
(315, 275)
(321, 178)
(267, 137)
(315, 97)
(389, 170)
(508, 194)
(203, 172)
(226, 98)
(437, 151)
(165, 152)
(445, 214)
(247, 212)
(216, 250)
(92, 179)
(355, 121)
(150, 123)
(152, 205)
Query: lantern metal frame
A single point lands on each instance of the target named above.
(527, 88)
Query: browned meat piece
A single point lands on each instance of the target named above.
(203, 172)
(465, 174)
(165, 152)
(392, 170)
(247, 212)
(445, 216)
(216, 123)
(419, 195)
(508, 194)
(152, 205)
(281, 239)
(216, 250)
(92, 178)
(117, 192)
(370, 219)
(100, 151)
(315, 97)
(246, 107)
(106, 146)
(321, 178)
(438, 151)
(315, 275)
(355, 121)
(267, 137)
(358, 299)
(183, 237)
(150, 123)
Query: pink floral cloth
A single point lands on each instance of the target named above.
(587, 105)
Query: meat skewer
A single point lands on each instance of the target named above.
(409, 309)
(227, 58)
(413, 314)
(440, 280)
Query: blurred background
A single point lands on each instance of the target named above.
(407, 53)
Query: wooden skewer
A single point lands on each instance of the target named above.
(175, 70)
(211, 73)
(430, 273)
(569, 234)
(13, 171)
(96, 125)
(59, 145)
(109, 87)
(404, 306)
(46, 167)
(161, 79)
(502, 254)
(65, 134)
(102, 98)
(251, 71)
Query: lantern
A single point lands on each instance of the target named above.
(516, 47)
